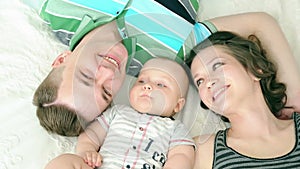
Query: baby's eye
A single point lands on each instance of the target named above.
(199, 82)
(141, 81)
(217, 65)
(160, 85)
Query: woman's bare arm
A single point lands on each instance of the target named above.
(181, 156)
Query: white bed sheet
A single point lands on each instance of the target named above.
(27, 50)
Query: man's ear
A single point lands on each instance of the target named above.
(60, 58)
(180, 105)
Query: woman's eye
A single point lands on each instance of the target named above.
(199, 82)
(217, 65)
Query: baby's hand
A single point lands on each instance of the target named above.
(295, 102)
(286, 113)
(92, 158)
(292, 105)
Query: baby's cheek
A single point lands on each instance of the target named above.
(159, 102)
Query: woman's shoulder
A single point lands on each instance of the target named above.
(204, 150)
(206, 140)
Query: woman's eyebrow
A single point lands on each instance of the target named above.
(212, 60)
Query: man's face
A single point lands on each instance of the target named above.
(94, 72)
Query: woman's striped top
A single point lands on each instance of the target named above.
(227, 158)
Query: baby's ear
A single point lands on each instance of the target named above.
(180, 104)
(61, 58)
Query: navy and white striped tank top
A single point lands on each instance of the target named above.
(227, 158)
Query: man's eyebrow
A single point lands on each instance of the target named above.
(83, 78)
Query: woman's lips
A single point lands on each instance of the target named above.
(219, 92)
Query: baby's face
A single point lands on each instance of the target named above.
(155, 92)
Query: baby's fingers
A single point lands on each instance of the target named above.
(90, 158)
(286, 113)
(93, 159)
(98, 161)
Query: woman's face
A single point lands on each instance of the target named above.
(94, 72)
(222, 81)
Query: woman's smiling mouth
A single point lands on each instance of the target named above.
(219, 92)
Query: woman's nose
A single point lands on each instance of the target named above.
(147, 87)
(211, 83)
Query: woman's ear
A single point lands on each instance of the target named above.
(256, 78)
(60, 58)
(180, 104)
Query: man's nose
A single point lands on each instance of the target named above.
(104, 74)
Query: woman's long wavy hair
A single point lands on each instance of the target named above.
(253, 58)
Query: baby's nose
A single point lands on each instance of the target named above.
(147, 87)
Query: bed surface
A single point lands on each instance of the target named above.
(27, 50)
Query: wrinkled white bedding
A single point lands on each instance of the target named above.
(27, 50)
